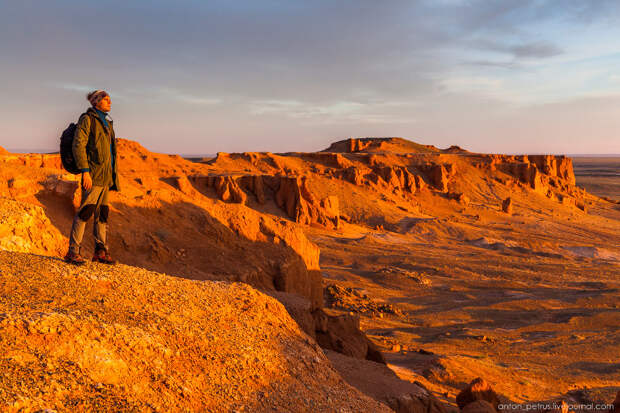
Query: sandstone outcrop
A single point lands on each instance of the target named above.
(34, 160)
(100, 338)
(342, 334)
(294, 197)
(439, 174)
(26, 228)
(228, 190)
(291, 194)
(3, 151)
(539, 172)
(66, 187)
(478, 389)
(555, 166)
(455, 149)
(397, 177)
(381, 383)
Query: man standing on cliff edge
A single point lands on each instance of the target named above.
(94, 150)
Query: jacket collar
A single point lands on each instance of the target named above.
(91, 111)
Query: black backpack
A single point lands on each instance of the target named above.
(66, 148)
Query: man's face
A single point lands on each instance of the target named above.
(104, 104)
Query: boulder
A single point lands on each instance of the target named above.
(478, 389)
(460, 197)
(507, 205)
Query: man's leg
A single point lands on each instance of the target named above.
(100, 227)
(84, 213)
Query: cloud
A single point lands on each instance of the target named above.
(332, 112)
(490, 63)
(539, 49)
(75, 88)
(349, 63)
(196, 100)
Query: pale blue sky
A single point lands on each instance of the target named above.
(286, 75)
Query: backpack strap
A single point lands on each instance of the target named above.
(92, 123)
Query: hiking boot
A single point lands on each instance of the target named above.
(74, 258)
(103, 257)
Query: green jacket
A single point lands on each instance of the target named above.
(94, 151)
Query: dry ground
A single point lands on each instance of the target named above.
(531, 302)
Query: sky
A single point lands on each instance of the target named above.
(199, 77)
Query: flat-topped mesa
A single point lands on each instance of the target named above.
(392, 144)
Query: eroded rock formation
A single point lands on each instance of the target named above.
(478, 389)
(290, 193)
(342, 334)
(378, 381)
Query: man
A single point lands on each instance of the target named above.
(94, 150)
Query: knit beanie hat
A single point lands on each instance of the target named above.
(95, 96)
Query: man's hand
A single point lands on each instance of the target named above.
(87, 181)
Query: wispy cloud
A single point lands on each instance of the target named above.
(179, 96)
(540, 49)
(141, 94)
(75, 88)
(332, 112)
(85, 89)
(194, 100)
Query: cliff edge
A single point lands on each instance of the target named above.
(120, 338)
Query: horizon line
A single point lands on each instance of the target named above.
(49, 151)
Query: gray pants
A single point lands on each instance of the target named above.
(94, 202)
